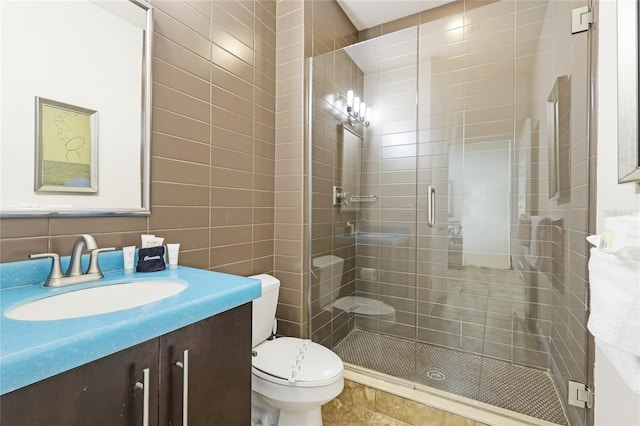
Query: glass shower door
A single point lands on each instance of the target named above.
(387, 222)
(441, 286)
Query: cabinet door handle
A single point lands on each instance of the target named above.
(145, 404)
(431, 206)
(185, 386)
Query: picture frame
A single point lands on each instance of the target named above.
(66, 148)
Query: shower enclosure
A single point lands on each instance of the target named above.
(447, 236)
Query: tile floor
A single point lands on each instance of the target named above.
(360, 405)
(487, 380)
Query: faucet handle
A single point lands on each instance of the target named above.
(93, 260)
(56, 271)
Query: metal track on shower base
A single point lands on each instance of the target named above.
(520, 389)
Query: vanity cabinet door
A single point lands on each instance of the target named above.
(102, 392)
(219, 371)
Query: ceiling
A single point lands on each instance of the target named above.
(369, 13)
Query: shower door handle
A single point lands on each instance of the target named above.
(431, 206)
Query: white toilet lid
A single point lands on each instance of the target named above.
(297, 361)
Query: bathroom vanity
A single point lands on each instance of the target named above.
(104, 391)
(186, 355)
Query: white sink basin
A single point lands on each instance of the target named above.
(95, 300)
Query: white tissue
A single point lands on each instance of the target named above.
(539, 255)
(369, 274)
(149, 240)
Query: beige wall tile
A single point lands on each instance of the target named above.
(178, 217)
(180, 126)
(171, 76)
(172, 53)
(185, 15)
(231, 63)
(166, 170)
(173, 194)
(170, 28)
(171, 147)
(18, 249)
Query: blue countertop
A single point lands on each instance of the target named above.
(31, 351)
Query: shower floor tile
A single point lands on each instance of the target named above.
(521, 389)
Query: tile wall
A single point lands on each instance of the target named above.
(465, 72)
(304, 28)
(334, 73)
(390, 172)
(491, 68)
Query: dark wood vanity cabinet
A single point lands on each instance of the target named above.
(99, 393)
(104, 391)
(219, 367)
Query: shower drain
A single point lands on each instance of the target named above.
(436, 375)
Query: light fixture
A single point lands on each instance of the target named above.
(357, 110)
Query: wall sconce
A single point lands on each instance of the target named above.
(357, 110)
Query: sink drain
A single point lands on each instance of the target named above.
(436, 375)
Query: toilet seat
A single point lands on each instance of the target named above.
(364, 306)
(297, 362)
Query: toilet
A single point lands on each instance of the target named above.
(368, 310)
(291, 377)
(372, 312)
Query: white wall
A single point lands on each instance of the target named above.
(485, 211)
(615, 403)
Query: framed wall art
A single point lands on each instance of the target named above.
(66, 148)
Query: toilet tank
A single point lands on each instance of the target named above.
(264, 309)
(328, 270)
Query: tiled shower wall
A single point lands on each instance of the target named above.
(466, 78)
(390, 172)
(304, 29)
(333, 73)
(487, 70)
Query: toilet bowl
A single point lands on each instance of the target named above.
(368, 309)
(291, 377)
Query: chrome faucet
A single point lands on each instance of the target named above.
(83, 242)
(74, 273)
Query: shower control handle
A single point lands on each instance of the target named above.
(431, 206)
(340, 196)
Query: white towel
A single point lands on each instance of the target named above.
(626, 364)
(523, 230)
(540, 246)
(614, 280)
